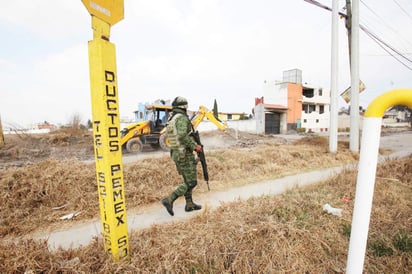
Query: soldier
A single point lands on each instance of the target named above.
(182, 147)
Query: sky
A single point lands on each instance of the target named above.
(210, 50)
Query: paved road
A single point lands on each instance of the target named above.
(401, 144)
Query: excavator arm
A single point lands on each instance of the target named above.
(204, 112)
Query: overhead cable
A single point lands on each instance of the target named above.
(374, 37)
(385, 49)
(407, 14)
(383, 21)
(384, 43)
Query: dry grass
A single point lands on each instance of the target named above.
(288, 233)
(30, 193)
(21, 149)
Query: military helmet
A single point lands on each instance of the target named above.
(180, 102)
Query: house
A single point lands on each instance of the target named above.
(232, 116)
(397, 116)
(344, 118)
(291, 105)
(46, 126)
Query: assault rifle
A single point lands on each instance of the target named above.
(201, 156)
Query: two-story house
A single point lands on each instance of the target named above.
(291, 105)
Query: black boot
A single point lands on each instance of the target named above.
(168, 203)
(190, 205)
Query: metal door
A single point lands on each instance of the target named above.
(272, 123)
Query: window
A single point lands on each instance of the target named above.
(308, 108)
(308, 92)
(320, 92)
(321, 109)
(312, 108)
(229, 116)
(317, 120)
(304, 120)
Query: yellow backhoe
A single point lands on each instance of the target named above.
(153, 130)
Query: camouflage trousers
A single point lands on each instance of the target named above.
(186, 166)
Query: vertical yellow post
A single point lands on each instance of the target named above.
(106, 127)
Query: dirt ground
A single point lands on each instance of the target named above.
(72, 144)
(20, 149)
(23, 149)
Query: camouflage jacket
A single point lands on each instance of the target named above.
(179, 128)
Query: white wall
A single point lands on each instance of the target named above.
(324, 99)
(275, 92)
(241, 125)
(344, 121)
(323, 121)
(26, 131)
(315, 121)
(260, 119)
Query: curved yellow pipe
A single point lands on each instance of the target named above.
(389, 99)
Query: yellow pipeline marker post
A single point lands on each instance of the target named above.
(106, 127)
(365, 183)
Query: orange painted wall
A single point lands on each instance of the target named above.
(294, 102)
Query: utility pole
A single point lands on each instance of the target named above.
(352, 26)
(348, 25)
(333, 129)
(354, 67)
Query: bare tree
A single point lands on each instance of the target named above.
(75, 121)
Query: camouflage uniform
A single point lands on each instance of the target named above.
(182, 146)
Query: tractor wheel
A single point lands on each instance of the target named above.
(164, 142)
(134, 145)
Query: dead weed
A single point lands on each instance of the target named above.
(30, 193)
(289, 233)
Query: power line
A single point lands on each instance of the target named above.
(383, 21)
(380, 43)
(404, 53)
(377, 15)
(407, 14)
(374, 37)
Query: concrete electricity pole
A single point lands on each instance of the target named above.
(348, 25)
(354, 67)
(333, 129)
(352, 26)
